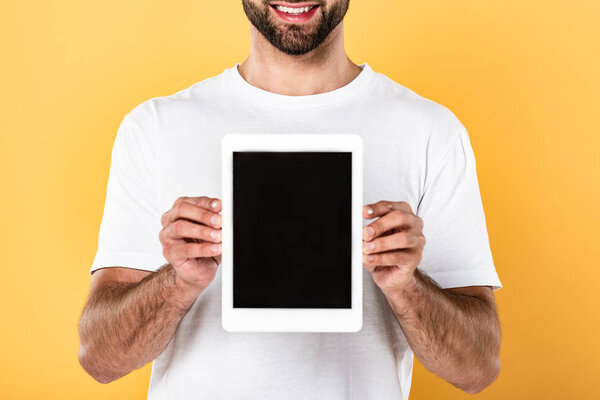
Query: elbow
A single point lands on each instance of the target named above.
(483, 380)
(93, 367)
(92, 358)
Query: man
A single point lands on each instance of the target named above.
(155, 291)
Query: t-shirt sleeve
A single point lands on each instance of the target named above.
(457, 250)
(130, 225)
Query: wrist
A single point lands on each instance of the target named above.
(402, 299)
(184, 291)
(187, 288)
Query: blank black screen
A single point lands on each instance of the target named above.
(292, 229)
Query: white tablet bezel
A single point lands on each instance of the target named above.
(291, 319)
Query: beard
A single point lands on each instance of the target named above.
(290, 38)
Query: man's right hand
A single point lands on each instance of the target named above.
(190, 230)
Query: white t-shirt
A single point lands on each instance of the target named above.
(415, 150)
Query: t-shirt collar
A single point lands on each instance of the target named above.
(260, 96)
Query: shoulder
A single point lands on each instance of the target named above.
(178, 104)
(423, 116)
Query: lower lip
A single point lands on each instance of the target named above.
(305, 16)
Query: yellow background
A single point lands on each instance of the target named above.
(523, 77)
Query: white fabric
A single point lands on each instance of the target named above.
(415, 150)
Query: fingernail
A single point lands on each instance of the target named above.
(214, 219)
(213, 204)
(370, 257)
(369, 231)
(215, 234)
(369, 210)
(215, 247)
(369, 245)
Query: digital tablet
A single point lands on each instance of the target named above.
(292, 232)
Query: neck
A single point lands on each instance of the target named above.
(324, 69)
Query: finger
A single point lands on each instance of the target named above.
(378, 209)
(195, 250)
(402, 205)
(210, 203)
(200, 201)
(192, 212)
(185, 229)
(216, 205)
(398, 257)
(399, 240)
(382, 207)
(393, 219)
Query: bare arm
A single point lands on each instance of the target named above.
(454, 333)
(126, 324)
(131, 315)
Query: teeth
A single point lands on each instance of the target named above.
(295, 10)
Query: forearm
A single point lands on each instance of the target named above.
(455, 336)
(126, 325)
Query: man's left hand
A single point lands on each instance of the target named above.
(393, 244)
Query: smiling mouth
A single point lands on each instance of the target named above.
(297, 13)
(294, 10)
